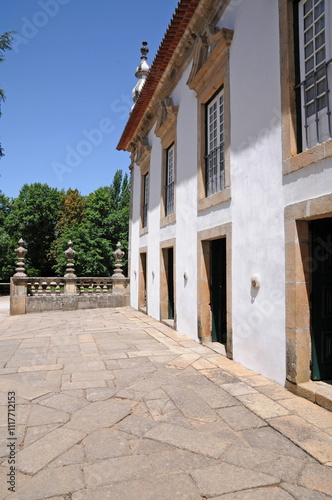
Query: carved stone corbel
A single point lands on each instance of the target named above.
(143, 151)
(166, 117)
(211, 51)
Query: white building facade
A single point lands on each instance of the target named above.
(231, 205)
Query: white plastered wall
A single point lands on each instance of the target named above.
(256, 181)
(186, 207)
(135, 227)
(257, 206)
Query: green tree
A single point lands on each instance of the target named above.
(108, 209)
(72, 209)
(72, 212)
(33, 217)
(91, 250)
(7, 244)
(5, 44)
(104, 222)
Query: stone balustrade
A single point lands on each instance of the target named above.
(45, 286)
(37, 294)
(94, 285)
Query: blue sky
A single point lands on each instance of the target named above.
(68, 82)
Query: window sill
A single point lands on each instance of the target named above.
(143, 230)
(169, 219)
(215, 199)
(308, 157)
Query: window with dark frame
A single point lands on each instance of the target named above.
(169, 184)
(145, 200)
(314, 70)
(215, 144)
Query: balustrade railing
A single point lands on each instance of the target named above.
(68, 292)
(94, 286)
(45, 286)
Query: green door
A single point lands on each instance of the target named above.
(218, 290)
(321, 299)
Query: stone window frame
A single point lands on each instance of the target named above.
(204, 238)
(143, 154)
(166, 131)
(209, 73)
(298, 286)
(164, 245)
(292, 159)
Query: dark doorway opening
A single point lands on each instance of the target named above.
(142, 283)
(321, 299)
(218, 290)
(170, 282)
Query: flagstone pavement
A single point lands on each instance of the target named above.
(111, 404)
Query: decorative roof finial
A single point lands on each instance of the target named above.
(142, 72)
(144, 50)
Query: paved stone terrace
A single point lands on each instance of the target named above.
(111, 404)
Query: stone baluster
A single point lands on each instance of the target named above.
(70, 253)
(18, 283)
(20, 252)
(118, 279)
(70, 282)
(118, 254)
(57, 287)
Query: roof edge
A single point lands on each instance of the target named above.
(175, 31)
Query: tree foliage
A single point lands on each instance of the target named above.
(47, 219)
(100, 223)
(7, 244)
(33, 217)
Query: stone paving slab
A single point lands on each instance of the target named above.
(240, 418)
(187, 440)
(51, 482)
(300, 493)
(269, 493)
(33, 458)
(224, 478)
(114, 470)
(178, 487)
(280, 466)
(24, 391)
(112, 404)
(98, 415)
(308, 437)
